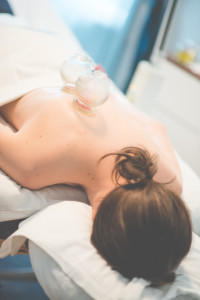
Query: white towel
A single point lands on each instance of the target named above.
(30, 59)
(63, 232)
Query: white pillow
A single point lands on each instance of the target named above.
(17, 202)
(69, 267)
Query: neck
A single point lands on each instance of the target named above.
(96, 197)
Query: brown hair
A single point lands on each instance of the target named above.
(142, 228)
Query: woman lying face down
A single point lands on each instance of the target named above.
(141, 225)
(142, 228)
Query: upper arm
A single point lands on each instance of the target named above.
(169, 174)
(11, 155)
(20, 156)
(168, 167)
(157, 141)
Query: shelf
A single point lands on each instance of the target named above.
(183, 67)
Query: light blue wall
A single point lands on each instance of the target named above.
(100, 25)
(185, 24)
(103, 28)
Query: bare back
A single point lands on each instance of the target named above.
(63, 145)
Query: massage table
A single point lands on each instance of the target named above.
(57, 219)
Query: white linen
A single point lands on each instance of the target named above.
(40, 15)
(17, 202)
(25, 68)
(62, 231)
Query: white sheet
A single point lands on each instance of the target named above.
(27, 68)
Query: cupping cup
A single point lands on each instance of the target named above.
(90, 87)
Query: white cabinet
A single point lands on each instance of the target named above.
(172, 96)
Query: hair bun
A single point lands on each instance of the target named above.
(134, 164)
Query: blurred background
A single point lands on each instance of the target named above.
(120, 33)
